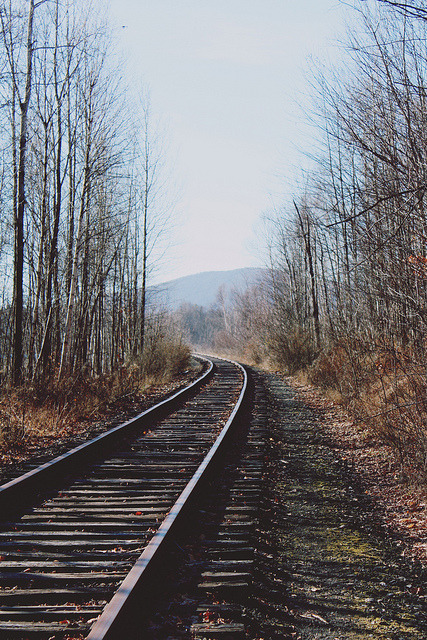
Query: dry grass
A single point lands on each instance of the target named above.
(384, 387)
(48, 410)
(161, 362)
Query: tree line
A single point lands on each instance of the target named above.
(346, 296)
(348, 288)
(79, 182)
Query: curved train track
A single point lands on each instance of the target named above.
(81, 535)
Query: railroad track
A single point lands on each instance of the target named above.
(212, 592)
(82, 536)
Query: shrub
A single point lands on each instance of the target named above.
(384, 386)
(48, 409)
(292, 351)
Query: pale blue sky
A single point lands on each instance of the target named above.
(226, 77)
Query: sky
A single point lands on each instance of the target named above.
(230, 81)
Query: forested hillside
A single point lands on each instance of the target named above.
(204, 289)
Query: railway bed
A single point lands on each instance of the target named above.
(210, 584)
(74, 546)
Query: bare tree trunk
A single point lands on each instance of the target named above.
(18, 271)
(144, 254)
(40, 281)
(309, 254)
(68, 331)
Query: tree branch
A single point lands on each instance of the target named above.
(411, 9)
(375, 204)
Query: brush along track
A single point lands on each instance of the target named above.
(65, 556)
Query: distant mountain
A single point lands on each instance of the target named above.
(202, 288)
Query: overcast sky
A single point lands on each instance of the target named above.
(227, 78)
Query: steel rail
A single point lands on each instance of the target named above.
(111, 622)
(23, 488)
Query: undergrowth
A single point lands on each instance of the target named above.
(385, 387)
(46, 410)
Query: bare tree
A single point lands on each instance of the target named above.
(21, 96)
(363, 249)
(85, 214)
(411, 9)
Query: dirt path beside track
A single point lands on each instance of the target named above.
(327, 570)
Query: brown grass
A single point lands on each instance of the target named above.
(47, 410)
(385, 387)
